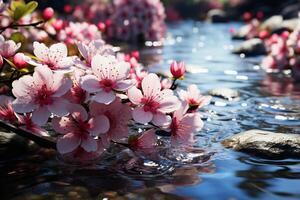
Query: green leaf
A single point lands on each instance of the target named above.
(15, 4)
(18, 37)
(24, 9)
(31, 6)
(10, 63)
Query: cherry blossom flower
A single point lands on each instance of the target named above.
(145, 142)
(6, 111)
(25, 123)
(184, 125)
(193, 97)
(8, 48)
(153, 104)
(109, 76)
(55, 57)
(119, 116)
(41, 94)
(95, 47)
(79, 130)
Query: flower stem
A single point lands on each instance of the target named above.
(14, 26)
(42, 141)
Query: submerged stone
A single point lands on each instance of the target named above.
(265, 143)
(251, 47)
(225, 93)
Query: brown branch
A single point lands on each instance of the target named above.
(2, 29)
(42, 141)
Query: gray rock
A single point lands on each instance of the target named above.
(216, 16)
(251, 47)
(225, 93)
(12, 144)
(265, 143)
(241, 34)
(272, 23)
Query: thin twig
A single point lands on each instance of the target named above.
(42, 141)
(13, 26)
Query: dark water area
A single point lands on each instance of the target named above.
(207, 171)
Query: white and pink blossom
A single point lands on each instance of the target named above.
(193, 97)
(54, 57)
(109, 77)
(41, 94)
(79, 130)
(119, 116)
(8, 48)
(153, 104)
(184, 125)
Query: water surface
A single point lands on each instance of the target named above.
(268, 102)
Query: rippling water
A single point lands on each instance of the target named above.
(207, 171)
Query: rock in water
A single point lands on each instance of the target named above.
(225, 93)
(265, 143)
(12, 144)
(272, 23)
(217, 16)
(251, 47)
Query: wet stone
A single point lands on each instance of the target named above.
(251, 47)
(225, 93)
(265, 143)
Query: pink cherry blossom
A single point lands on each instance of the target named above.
(152, 104)
(145, 142)
(193, 97)
(184, 125)
(119, 116)
(25, 122)
(6, 111)
(55, 57)
(79, 130)
(95, 47)
(41, 94)
(8, 48)
(109, 76)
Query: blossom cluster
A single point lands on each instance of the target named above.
(283, 48)
(91, 99)
(129, 20)
(284, 52)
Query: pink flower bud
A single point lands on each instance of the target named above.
(20, 61)
(48, 13)
(101, 26)
(1, 61)
(263, 34)
(68, 8)
(58, 24)
(177, 69)
(135, 54)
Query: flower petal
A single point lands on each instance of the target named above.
(41, 51)
(105, 97)
(151, 85)
(43, 76)
(41, 115)
(135, 95)
(162, 120)
(90, 83)
(99, 124)
(140, 116)
(123, 85)
(89, 144)
(67, 143)
(59, 106)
